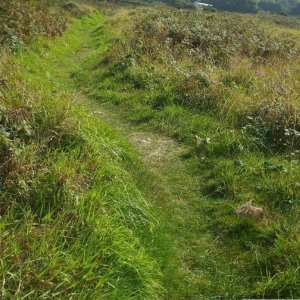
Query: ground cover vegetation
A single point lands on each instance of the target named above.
(83, 217)
(23, 20)
(73, 222)
(228, 86)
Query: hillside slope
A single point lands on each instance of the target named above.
(151, 153)
(227, 86)
(73, 221)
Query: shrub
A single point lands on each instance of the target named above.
(21, 21)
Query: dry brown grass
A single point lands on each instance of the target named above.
(249, 209)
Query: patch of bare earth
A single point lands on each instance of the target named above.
(156, 149)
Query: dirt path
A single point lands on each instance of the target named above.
(154, 148)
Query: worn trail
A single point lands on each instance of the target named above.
(171, 171)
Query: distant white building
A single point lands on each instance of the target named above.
(200, 5)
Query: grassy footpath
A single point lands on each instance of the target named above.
(236, 196)
(84, 217)
(73, 221)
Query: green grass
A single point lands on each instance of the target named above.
(232, 159)
(84, 216)
(74, 223)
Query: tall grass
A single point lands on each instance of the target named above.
(227, 86)
(74, 218)
(73, 222)
(22, 20)
(219, 64)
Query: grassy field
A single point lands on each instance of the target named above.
(73, 221)
(150, 153)
(228, 86)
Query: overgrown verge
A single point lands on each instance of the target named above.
(218, 64)
(228, 86)
(72, 220)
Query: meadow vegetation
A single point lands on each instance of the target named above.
(73, 222)
(228, 86)
(82, 217)
(21, 21)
